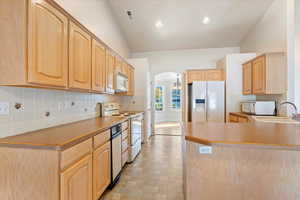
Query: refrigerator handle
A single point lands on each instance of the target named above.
(206, 103)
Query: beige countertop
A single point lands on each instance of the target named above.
(261, 135)
(64, 136)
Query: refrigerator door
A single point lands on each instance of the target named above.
(215, 101)
(199, 101)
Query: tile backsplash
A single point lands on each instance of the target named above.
(62, 107)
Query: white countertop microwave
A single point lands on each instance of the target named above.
(264, 108)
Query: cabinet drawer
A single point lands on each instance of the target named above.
(124, 125)
(101, 138)
(233, 118)
(124, 145)
(124, 158)
(125, 135)
(243, 120)
(75, 153)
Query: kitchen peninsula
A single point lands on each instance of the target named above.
(244, 161)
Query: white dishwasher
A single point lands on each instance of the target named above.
(116, 155)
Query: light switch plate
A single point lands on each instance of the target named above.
(205, 150)
(4, 108)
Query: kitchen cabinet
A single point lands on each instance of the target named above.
(34, 44)
(110, 72)
(237, 118)
(268, 75)
(118, 66)
(98, 67)
(205, 75)
(76, 181)
(79, 58)
(101, 170)
(247, 78)
(48, 45)
(50, 49)
(131, 81)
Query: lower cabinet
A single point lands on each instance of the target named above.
(101, 170)
(76, 181)
(237, 119)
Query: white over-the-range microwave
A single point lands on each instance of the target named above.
(259, 108)
(121, 83)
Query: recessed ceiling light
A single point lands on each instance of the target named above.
(206, 20)
(159, 24)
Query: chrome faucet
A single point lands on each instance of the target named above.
(296, 116)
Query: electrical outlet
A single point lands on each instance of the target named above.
(4, 108)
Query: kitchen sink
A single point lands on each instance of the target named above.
(274, 119)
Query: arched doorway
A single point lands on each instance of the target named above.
(167, 103)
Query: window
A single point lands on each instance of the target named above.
(159, 98)
(175, 98)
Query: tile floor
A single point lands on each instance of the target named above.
(168, 128)
(156, 174)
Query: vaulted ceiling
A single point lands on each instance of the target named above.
(182, 27)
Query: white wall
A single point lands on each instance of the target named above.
(297, 53)
(275, 32)
(232, 64)
(269, 34)
(180, 60)
(97, 16)
(36, 102)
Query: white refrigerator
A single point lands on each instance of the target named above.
(207, 101)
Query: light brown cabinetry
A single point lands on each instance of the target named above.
(101, 169)
(205, 75)
(237, 118)
(268, 75)
(131, 81)
(247, 78)
(76, 181)
(79, 58)
(110, 72)
(47, 44)
(50, 49)
(98, 67)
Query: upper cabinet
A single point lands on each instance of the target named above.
(247, 78)
(118, 66)
(265, 74)
(79, 58)
(131, 81)
(98, 67)
(47, 44)
(205, 75)
(110, 72)
(50, 49)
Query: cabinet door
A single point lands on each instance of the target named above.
(110, 63)
(197, 75)
(118, 66)
(79, 58)
(98, 67)
(233, 119)
(259, 75)
(243, 120)
(101, 170)
(47, 45)
(247, 78)
(214, 75)
(76, 181)
(131, 83)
